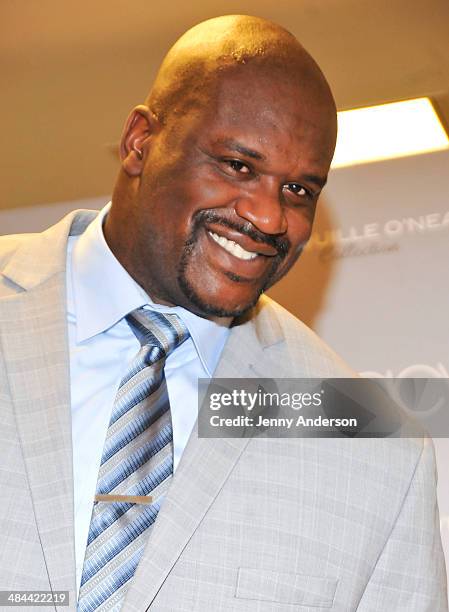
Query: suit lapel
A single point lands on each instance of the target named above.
(203, 470)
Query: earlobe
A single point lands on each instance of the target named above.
(138, 128)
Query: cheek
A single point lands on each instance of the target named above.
(210, 188)
(299, 229)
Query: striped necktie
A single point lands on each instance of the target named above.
(137, 460)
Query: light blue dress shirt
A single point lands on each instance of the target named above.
(100, 293)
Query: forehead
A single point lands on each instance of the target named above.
(271, 113)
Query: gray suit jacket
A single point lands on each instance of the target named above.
(260, 525)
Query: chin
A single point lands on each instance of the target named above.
(219, 305)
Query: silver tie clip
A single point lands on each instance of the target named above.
(124, 499)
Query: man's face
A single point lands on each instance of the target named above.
(227, 196)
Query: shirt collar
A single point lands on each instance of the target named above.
(104, 293)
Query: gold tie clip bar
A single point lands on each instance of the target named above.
(124, 499)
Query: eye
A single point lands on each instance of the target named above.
(297, 189)
(237, 166)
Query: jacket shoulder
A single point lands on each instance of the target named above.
(305, 351)
(303, 344)
(26, 260)
(9, 246)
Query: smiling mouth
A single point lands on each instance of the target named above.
(232, 247)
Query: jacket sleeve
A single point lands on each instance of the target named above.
(410, 574)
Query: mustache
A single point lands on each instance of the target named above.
(281, 243)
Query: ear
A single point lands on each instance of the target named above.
(139, 126)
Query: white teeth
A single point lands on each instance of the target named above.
(232, 247)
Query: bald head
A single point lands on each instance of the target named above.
(206, 53)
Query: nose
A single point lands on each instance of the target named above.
(263, 208)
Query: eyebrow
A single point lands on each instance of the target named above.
(314, 178)
(234, 145)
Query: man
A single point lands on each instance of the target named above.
(220, 174)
